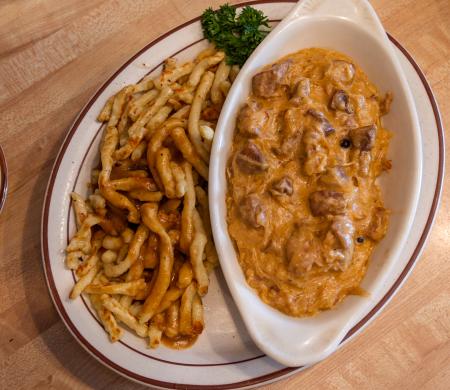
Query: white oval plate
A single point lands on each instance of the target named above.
(224, 356)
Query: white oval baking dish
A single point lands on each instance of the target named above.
(351, 27)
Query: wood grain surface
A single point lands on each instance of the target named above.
(54, 54)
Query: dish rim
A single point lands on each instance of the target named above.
(44, 231)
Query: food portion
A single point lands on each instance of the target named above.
(236, 33)
(143, 249)
(303, 205)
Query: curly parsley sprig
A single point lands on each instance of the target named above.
(236, 35)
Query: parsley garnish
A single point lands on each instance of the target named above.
(236, 35)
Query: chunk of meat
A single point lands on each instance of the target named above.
(284, 186)
(288, 147)
(251, 120)
(316, 152)
(338, 245)
(341, 101)
(378, 224)
(267, 83)
(281, 69)
(322, 121)
(291, 123)
(335, 178)
(341, 71)
(252, 211)
(251, 160)
(302, 90)
(363, 138)
(303, 250)
(326, 202)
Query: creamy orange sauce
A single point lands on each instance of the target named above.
(303, 206)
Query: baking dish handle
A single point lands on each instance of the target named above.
(358, 11)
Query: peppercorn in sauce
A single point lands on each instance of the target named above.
(303, 205)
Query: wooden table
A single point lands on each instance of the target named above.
(53, 55)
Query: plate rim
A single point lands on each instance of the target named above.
(56, 299)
